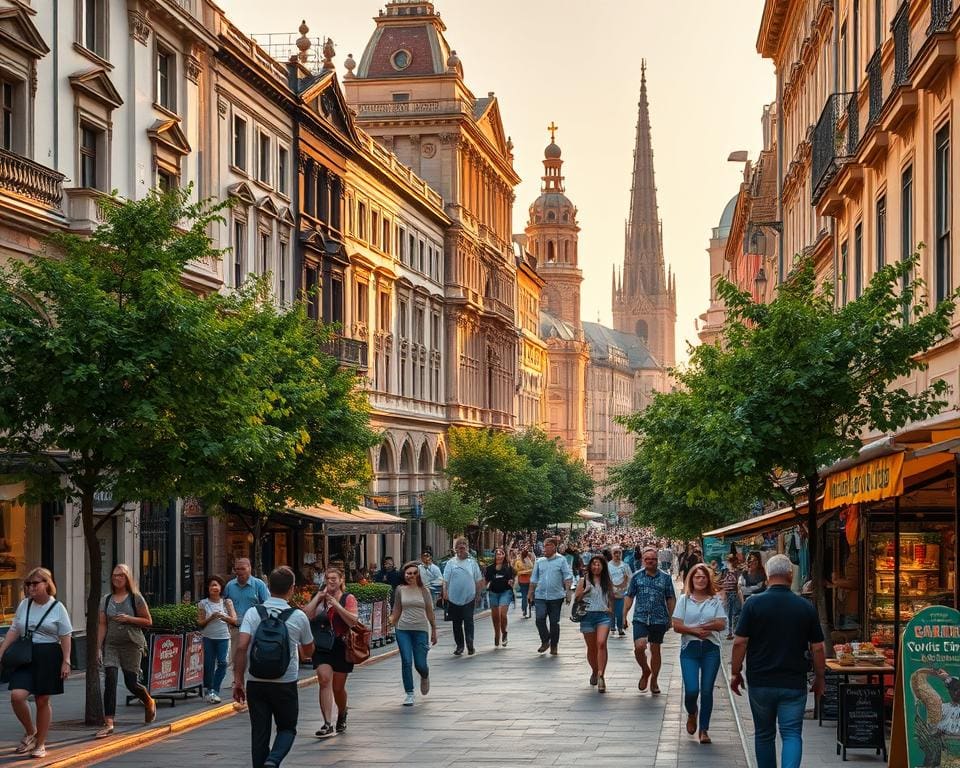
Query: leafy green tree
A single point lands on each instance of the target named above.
(448, 509)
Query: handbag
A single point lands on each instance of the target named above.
(20, 652)
(323, 635)
(357, 639)
(578, 609)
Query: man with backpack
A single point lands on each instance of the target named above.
(272, 639)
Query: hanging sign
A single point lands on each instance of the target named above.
(871, 481)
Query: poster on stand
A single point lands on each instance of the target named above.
(166, 657)
(193, 662)
(377, 632)
(926, 728)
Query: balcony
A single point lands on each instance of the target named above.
(940, 13)
(31, 181)
(939, 51)
(901, 45)
(875, 84)
(350, 353)
(835, 139)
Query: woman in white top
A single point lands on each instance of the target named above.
(596, 591)
(44, 620)
(413, 618)
(216, 615)
(699, 616)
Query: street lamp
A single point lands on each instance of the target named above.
(760, 283)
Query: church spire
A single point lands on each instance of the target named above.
(643, 258)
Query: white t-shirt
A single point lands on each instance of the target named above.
(619, 573)
(298, 630)
(693, 614)
(216, 629)
(54, 626)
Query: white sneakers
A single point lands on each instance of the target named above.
(408, 700)
(213, 698)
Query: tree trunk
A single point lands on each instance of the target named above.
(93, 710)
(257, 545)
(816, 561)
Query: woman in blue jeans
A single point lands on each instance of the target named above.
(499, 577)
(216, 615)
(700, 617)
(416, 628)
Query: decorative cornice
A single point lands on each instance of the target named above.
(139, 27)
(192, 69)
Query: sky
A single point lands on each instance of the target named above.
(578, 63)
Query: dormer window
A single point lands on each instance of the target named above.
(401, 59)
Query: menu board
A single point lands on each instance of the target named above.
(193, 662)
(166, 656)
(862, 723)
(830, 701)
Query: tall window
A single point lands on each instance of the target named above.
(843, 57)
(385, 312)
(239, 251)
(93, 26)
(906, 228)
(858, 260)
(166, 79)
(312, 285)
(282, 272)
(942, 212)
(374, 228)
(336, 299)
(263, 161)
(881, 231)
(240, 142)
(844, 275)
(89, 141)
(362, 221)
(361, 302)
(386, 236)
(877, 23)
(7, 93)
(264, 252)
(283, 169)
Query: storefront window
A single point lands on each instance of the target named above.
(19, 548)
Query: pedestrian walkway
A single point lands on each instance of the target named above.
(507, 706)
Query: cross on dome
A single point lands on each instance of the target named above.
(553, 130)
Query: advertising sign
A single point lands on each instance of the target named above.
(193, 662)
(926, 731)
(871, 481)
(376, 627)
(166, 656)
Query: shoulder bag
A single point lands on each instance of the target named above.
(20, 652)
(578, 609)
(357, 639)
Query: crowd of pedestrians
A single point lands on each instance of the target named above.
(617, 579)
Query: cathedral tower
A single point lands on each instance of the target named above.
(644, 294)
(552, 238)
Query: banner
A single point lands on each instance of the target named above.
(193, 662)
(926, 728)
(166, 656)
(871, 481)
(377, 632)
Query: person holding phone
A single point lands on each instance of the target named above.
(215, 614)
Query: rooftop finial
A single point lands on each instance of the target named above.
(328, 53)
(303, 42)
(553, 131)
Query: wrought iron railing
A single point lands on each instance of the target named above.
(349, 352)
(901, 44)
(940, 13)
(875, 82)
(31, 180)
(835, 139)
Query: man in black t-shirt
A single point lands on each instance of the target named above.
(775, 631)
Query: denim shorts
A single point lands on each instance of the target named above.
(593, 619)
(500, 598)
(654, 633)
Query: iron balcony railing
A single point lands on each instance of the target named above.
(30, 180)
(875, 81)
(348, 352)
(940, 13)
(901, 44)
(835, 139)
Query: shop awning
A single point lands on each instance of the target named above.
(777, 520)
(337, 522)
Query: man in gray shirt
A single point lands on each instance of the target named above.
(549, 582)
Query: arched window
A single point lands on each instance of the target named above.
(406, 458)
(642, 330)
(566, 217)
(385, 462)
(424, 463)
(551, 216)
(551, 255)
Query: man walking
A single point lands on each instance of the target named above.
(430, 573)
(245, 590)
(272, 699)
(652, 597)
(620, 575)
(776, 630)
(462, 586)
(665, 556)
(549, 585)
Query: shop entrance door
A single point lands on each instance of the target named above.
(157, 552)
(193, 575)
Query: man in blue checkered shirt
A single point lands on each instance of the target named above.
(652, 597)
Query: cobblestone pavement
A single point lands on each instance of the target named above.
(507, 706)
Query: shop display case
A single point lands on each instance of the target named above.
(927, 574)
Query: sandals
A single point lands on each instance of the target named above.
(107, 730)
(27, 743)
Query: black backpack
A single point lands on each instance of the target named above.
(270, 651)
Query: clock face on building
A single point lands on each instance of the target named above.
(401, 59)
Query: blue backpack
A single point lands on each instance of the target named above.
(270, 652)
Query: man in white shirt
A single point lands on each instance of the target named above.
(462, 586)
(620, 575)
(272, 699)
(430, 573)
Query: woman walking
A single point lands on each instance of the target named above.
(416, 629)
(332, 612)
(216, 615)
(753, 581)
(42, 619)
(699, 616)
(596, 591)
(523, 567)
(123, 617)
(499, 578)
(730, 581)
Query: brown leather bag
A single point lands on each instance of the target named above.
(357, 639)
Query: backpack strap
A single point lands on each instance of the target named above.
(261, 611)
(285, 614)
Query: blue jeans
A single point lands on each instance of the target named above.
(733, 605)
(773, 706)
(214, 664)
(699, 664)
(413, 645)
(618, 614)
(524, 589)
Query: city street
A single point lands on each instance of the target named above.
(508, 706)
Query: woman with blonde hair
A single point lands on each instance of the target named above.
(43, 621)
(416, 629)
(123, 617)
(699, 617)
(331, 613)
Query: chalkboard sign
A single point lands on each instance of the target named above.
(830, 701)
(862, 722)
